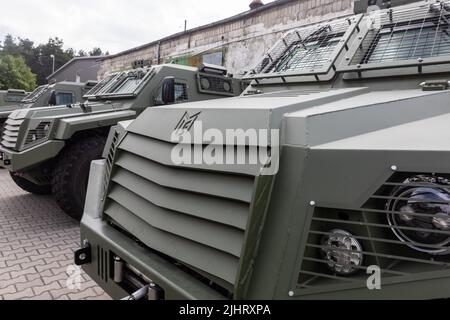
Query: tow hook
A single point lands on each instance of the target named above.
(150, 292)
(83, 256)
(147, 289)
(138, 295)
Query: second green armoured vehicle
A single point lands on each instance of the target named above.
(50, 149)
(61, 93)
(328, 178)
(11, 97)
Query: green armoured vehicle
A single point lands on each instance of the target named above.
(61, 93)
(50, 149)
(11, 97)
(350, 192)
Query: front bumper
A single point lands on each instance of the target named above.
(26, 159)
(107, 242)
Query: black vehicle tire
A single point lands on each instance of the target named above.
(71, 173)
(29, 186)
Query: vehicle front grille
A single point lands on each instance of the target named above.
(398, 259)
(196, 217)
(37, 134)
(11, 133)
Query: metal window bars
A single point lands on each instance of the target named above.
(307, 51)
(408, 37)
(123, 84)
(102, 86)
(36, 94)
(181, 94)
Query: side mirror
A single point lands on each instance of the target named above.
(52, 100)
(168, 90)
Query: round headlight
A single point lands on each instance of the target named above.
(227, 86)
(419, 214)
(342, 251)
(206, 84)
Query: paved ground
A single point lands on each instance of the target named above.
(37, 241)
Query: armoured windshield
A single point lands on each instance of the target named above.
(310, 53)
(125, 84)
(36, 94)
(403, 37)
(311, 50)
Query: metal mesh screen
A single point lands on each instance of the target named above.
(38, 92)
(102, 85)
(305, 49)
(124, 83)
(415, 33)
(181, 94)
(404, 229)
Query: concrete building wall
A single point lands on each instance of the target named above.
(237, 43)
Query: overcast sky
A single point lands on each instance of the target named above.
(113, 25)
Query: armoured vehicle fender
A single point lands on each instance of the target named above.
(94, 194)
(69, 126)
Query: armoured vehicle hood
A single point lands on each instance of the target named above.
(366, 112)
(64, 112)
(59, 122)
(413, 136)
(264, 111)
(302, 115)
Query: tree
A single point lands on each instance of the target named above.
(9, 45)
(96, 52)
(71, 52)
(14, 73)
(54, 47)
(39, 57)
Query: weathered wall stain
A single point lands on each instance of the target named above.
(242, 39)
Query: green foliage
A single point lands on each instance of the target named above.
(14, 73)
(97, 52)
(39, 57)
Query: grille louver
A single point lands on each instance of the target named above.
(369, 225)
(110, 159)
(11, 133)
(196, 217)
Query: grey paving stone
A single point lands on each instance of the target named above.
(37, 241)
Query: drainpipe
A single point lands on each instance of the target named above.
(159, 52)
